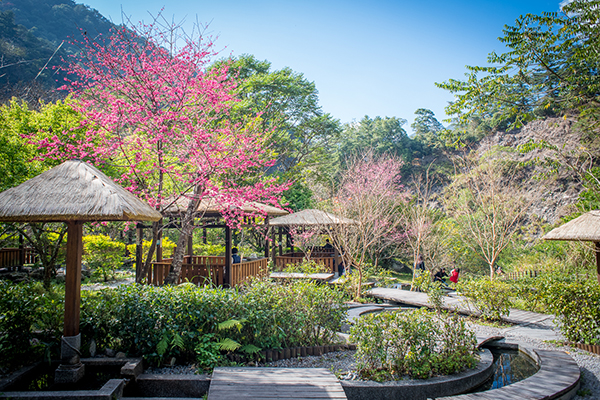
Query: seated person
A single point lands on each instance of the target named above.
(454, 275)
(235, 257)
(327, 244)
(440, 275)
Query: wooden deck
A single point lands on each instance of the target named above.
(455, 303)
(274, 383)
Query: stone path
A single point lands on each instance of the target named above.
(274, 383)
(527, 323)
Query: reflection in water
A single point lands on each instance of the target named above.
(510, 366)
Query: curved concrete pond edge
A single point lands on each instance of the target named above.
(557, 378)
(417, 389)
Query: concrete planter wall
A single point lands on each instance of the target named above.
(416, 389)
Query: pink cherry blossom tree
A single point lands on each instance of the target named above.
(371, 195)
(158, 121)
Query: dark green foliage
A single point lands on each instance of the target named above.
(577, 304)
(30, 323)
(491, 297)
(420, 344)
(160, 323)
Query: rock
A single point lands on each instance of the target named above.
(121, 355)
(93, 348)
(110, 352)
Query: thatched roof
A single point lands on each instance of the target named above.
(72, 191)
(209, 207)
(310, 217)
(585, 227)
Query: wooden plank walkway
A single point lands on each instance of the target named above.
(274, 383)
(323, 277)
(455, 303)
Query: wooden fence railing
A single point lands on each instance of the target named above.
(207, 269)
(521, 274)
(325, 259)
(242, 272)
(11, 257)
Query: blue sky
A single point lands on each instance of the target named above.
(375, 58)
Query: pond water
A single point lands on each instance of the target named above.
(43, 380)
(510, 366)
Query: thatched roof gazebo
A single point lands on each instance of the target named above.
(73, 192)
(310, 217)
(586, 227)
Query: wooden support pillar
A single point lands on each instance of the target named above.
(228, 259)
(190, 243)
(204, 235)
(73, 277)
(280, 247)
(21, 251)
(273, 245)
(159, 249)
(267, 244)
(139, 228)
(598, 260)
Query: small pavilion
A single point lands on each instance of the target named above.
(586, 227)
(218, 270)
(73, 192)
(309, 218)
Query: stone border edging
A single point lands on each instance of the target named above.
(557, 378)
(422, 389)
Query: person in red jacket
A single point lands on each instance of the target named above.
(454, 275)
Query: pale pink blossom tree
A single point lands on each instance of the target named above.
(371, 195)
(158, 121)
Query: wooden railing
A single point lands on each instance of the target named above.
(288, 259)
(207, 269)
(11, 257)
(242, 272)
(520, 274)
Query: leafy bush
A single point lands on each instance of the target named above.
(30, 323)
(166, 322)
(418, 343)
(424, 283)
(103, 255)
(491, 297)
(577, 304)
(168, 247)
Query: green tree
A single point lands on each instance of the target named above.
(380, 135)
(427, 128)
(302, 135)
(551, 66)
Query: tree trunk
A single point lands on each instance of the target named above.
(187, 226)
(146, 267)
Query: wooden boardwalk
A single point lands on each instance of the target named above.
(455, 303)
(274, 383)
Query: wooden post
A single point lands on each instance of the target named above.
(267, 244)
(191, 243)
(280, 247)
(227, 278)
(159, 250)
(273, 243)
(138, 250)
(204, 235)
(73, 277)
(598, 260)
(21, 251)
(288, 239)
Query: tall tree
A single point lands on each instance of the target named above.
(551, 66)
(160, 122)
(371, 195)
(302, 135)
(427, 128)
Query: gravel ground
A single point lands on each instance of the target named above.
(342, 362)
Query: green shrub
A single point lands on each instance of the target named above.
(423, 282)
(166, 322)
(418, 343)
(491, 297)
(30, 323)
(577, 304)
(103, 255)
